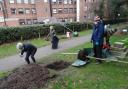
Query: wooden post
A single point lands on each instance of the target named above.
(21, 38)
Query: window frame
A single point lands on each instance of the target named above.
(13, 12)
(19, 1)
(33, 10)
(27, 11)
(53, 11)
(20, 12)
(26, 1)
(11, 1)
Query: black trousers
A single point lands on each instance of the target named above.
(55, 44)
(97, 51)
(30, 53)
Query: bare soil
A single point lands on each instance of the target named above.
(32, 76)
(58, 65)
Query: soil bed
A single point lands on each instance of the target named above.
(58, 65)
(32, 76)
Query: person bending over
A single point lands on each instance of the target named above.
(29, 49)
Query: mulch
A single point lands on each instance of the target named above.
(32, 76)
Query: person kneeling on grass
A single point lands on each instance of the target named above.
(29, 49)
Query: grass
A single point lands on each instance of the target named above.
(108, 75)
(118, 38)
(3, 74)
(83, 33)
(10, 49)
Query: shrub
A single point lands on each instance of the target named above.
(12, 34)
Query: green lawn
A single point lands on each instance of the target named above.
(108, 75)
(10, 49)
(83, 33)
(3, 74)
(118, 38)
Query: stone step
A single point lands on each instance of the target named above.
(118, 45)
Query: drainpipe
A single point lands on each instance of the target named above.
(3, 11)
(50, 4)
(78, 10)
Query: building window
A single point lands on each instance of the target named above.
(33, 10)
(54, 11)
(0, 8)
(60, 10)
(74, 18)
(70, 1)
(19, 1)
(28, 21)
(13, 10)
(65, 10)
(54, 1)
(59, 1)
(65, 1)
(27, 11)
(26, 1)
(35, 21)
(70, 10)
(74, 10)
(21, 21)
(45, 0)
(21, 11)
(74, 1)
(32, 1)
(65, 19)
(71, 19)
(11, 1)
(85, 8)
(60, 19)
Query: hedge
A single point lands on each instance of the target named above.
(12, 34)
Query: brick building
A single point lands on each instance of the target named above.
(22, 12)
(85, 9)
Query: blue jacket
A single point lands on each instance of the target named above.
(98, 33)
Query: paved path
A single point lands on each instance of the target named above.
(14, 61)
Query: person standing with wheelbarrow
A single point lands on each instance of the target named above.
(98, 37)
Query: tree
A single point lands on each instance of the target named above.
(99, 11)
(117, 7)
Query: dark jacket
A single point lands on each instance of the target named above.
(98, 33)
(55, 39)
(28, 48)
